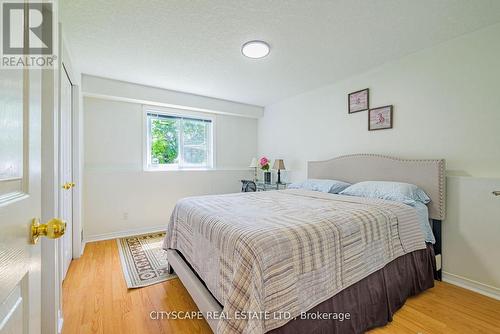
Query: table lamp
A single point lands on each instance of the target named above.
(254, 165)
(279, 165)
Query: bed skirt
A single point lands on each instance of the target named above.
(372, 301)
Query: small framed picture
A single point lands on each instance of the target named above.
(380, 118)
(358, 101)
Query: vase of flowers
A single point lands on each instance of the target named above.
(264, 165)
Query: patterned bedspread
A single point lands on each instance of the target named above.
(281, 253)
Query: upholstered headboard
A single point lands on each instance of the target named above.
(427, 174)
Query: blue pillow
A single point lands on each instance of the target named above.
(326, 186)
(392, 191)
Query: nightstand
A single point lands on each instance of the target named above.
(261, 186)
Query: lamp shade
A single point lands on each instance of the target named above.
(279, 164)
(253, 163)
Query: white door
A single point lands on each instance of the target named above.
(20, 136)
(66, 170)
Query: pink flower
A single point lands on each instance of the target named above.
(264, 163)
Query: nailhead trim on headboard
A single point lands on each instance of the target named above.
(441, 172)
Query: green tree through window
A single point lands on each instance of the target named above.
(184, 142)
(195, 141)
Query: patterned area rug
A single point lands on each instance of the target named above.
(144, 262)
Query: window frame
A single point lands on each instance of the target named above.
(179, 113)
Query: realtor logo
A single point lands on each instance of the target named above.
(28, 34)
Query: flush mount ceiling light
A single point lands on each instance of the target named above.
(255, 49)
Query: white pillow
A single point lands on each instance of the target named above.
(326, 186)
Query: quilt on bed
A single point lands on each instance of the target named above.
(279, 253)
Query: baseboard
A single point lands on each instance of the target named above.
(125, 233)
(472, 285)
(79, 252)
(83, 248)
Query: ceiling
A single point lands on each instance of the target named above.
(194, 46)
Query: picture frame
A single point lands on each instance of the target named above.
(380, 118)
(358, 101)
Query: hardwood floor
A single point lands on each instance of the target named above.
(96, 300)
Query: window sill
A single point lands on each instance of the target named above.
(149, 169)
(152, 169)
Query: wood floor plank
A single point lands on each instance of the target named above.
(96, 300)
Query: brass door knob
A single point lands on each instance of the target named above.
(68, 185)
(54, 229)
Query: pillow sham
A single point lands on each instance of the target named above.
(322, 185)
(393, 191)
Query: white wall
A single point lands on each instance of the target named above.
(119, 196)
(471, 234)
(446, 105)
(125, 91)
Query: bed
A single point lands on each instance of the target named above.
(299, 261)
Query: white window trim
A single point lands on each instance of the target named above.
(178, 113)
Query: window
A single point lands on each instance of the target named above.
(177, 141)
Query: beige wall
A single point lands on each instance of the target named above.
(119, 196)
(446, 105)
